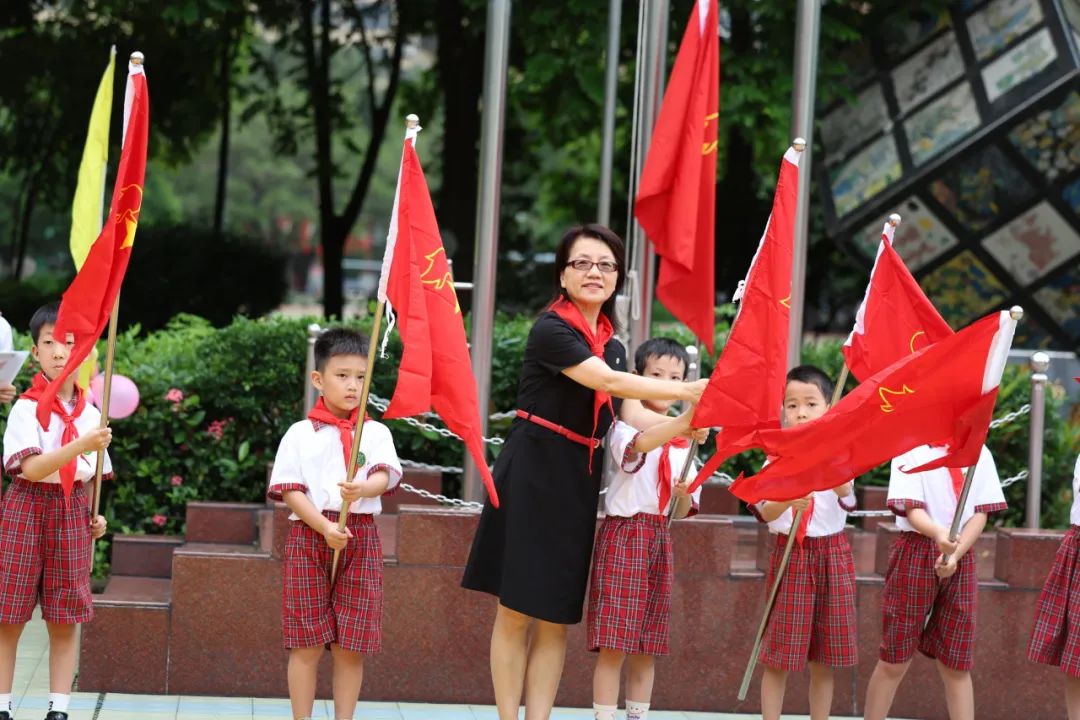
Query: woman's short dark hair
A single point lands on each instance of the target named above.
(605, 235)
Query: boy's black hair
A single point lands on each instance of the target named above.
(813, 375)
(339, 341)
(44, 315)
(660, 347)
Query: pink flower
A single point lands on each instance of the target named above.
(176, 481)
(174, 396)
(159, 520)
(217, 429)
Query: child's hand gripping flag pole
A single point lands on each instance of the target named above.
(435, 372)
(796, 522)
(91, 300)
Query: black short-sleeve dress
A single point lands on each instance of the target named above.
(533, 552)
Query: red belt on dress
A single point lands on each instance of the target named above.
(565, 432)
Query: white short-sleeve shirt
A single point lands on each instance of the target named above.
(6, 341)
(24, 437)
(631, 478)
(932, 490)
(829, 516)
(311, 458)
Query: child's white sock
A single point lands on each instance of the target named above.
(636, 710)
(5, 701)
(604, 712)
(59, 702)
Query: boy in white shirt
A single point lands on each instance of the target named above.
(630, 588)
(309, 476)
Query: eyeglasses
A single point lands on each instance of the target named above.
(582, 265)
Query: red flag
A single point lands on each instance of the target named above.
(895, 318)
(88, 302)
(943, 394)
(676, 199)
(435, 371)
(746, 389)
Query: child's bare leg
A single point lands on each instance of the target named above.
(821, 691)
(348, 678)
(882, 689)
(773, 685)
(303, 672)
(61, 657)
(606, 677)
(509, 655)
(641, 671)
(9, 644)
(547, 651)
(1072, 697)
(959, 694)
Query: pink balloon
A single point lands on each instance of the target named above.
(124, 398)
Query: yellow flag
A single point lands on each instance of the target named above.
(89, 203)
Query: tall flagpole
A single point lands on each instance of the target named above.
(607, 146)
(807, 28)
(649, 94)
(487, 221)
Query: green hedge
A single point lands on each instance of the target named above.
(216, 401)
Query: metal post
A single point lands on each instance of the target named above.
(607, 148)
(487, 219)
(311, 395)
(1040, 362)
(807, 28)
(643, 263)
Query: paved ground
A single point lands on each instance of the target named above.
(31, 690)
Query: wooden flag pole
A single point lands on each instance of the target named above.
(106, 394)
(354, 454)
(682, 478)
(838, 391)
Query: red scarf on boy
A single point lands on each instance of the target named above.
(572, 316)
(346, 426)
(665, 473)
(37, 387)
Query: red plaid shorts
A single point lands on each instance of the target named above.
(813, 617)
(45, 548)
(912, 589)
(349, 613)
(630, 588)
(1055, 638)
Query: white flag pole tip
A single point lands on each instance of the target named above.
(412, 121)
(799, 144)
(1016, 312)
(136, 58)
(894, 219)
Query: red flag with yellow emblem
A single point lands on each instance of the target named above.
(943, 394)
(88, 302)
(435, 372)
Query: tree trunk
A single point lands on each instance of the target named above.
(226, 115)
(333, 246)
(24, 225)
(460, 68)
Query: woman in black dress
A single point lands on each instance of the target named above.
(533, 552)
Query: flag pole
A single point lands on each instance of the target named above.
(838, 391)
(693, 373)
(412, 125)
(354, 454)
(136, 58)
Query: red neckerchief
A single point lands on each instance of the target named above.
(37, 387)
(321, 414)
(572, 316)
(957, 476)
(664, 472)
(804, 524)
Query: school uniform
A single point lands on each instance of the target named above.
(633, 568)
(311, 459)
(912, 588)
(1055, 638)
(813, 617)
(45, 538)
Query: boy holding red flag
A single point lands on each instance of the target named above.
(813, 618)
(309, 476)
(46, 538)
(929, 574)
